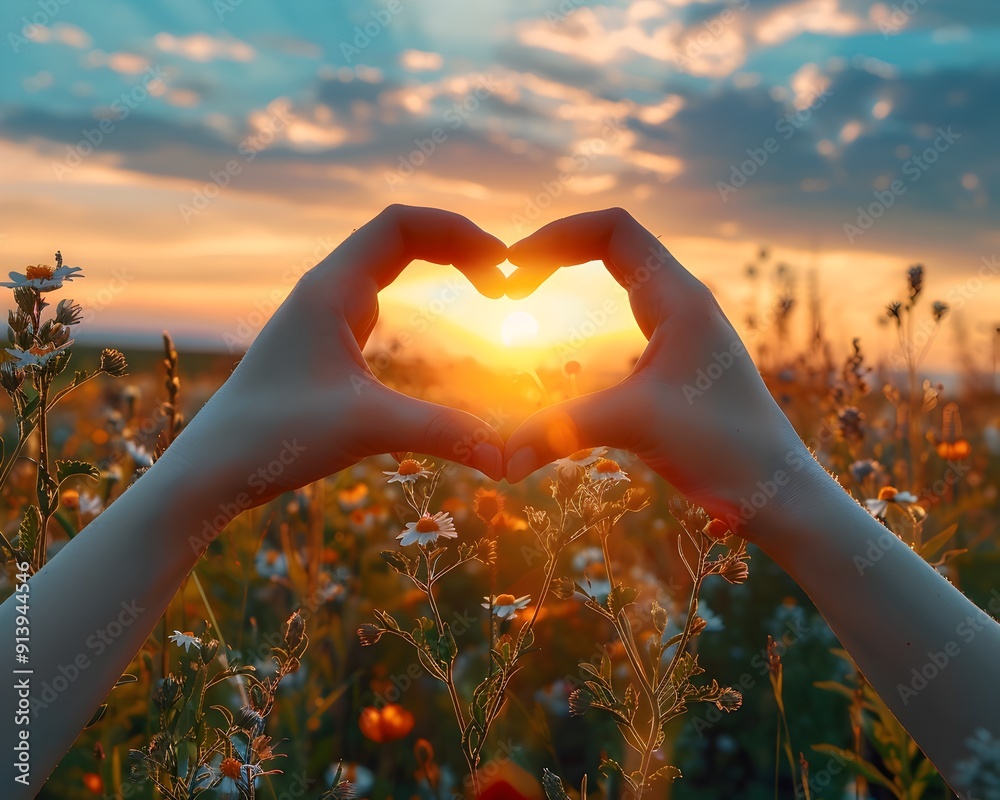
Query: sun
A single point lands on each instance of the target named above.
(519, 328)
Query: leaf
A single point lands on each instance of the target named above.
(387, 620)
(948, 555)
(935, 543)
(553, 786)
(609, 766)
(97, 716)
(858, 765)
(71, 468)
(27, 533)
(398, 562)
(834, 686)
(621, 596)
(449, 642)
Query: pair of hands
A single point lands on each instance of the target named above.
(303, 403)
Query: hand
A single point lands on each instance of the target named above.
(303, 404)
(720, 440)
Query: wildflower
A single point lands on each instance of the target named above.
(409, 471)
(42, 277)
(730, 700)
(952, 446)
(572, 368)
(139, 454)
(886, 495)
(369, 634)
(113, 363)
(505, 606)
(563, 588)
(579, 702)
(70, 499)
(850, 421)
(427, 529)
(262, 747)
(915, 277)
(736, 571)
(605, 469)
(488, 505)
(385, 724)
(863, 469)
(90, 504)
(353, 497)
(92, 782)
(939, 309)
(230, 772)
(271, 563)
(716, 529)
(294, 630)
(582, 458)
(186, 639)
(892, 311)
(37, 356)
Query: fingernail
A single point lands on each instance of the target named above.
(488, 459)
(522, 464)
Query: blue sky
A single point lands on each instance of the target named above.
(302, 119)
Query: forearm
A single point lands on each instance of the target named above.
(928, 651)
(93, 606)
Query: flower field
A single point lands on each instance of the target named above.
(410, 629)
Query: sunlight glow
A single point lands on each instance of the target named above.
(519, 328)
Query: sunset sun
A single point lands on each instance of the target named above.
(519, 328)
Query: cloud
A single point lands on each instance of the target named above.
(420, 61)
(202, 47)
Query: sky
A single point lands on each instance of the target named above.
(196, 156)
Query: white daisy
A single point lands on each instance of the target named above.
(607, 470)
(186, 640)
(582, 458)
(886, 495)
(139, 454)
(37, 356)
(42, 277)
(271, 563)
(506, 606)
(90, 504)
(427, 529)
(409, 471)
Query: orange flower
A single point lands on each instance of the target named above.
(953, 451)
(70, 499)
(716, 529)
(231, 768)
(386, 724)
(91, 780)
(488, 505)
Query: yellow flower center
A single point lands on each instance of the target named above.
(580, 455)
(39, 271)
(409, 466)
(231, 768)
(607, 466)
(427, 524)
(504, 600)
(887, 493)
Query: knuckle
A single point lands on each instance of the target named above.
(619, 216)
(445, 433)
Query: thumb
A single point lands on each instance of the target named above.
(599, 419)
(408, 424)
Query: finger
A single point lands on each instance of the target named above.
(602, 418)
(381, 249)
(406, 424)
(642, 263)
